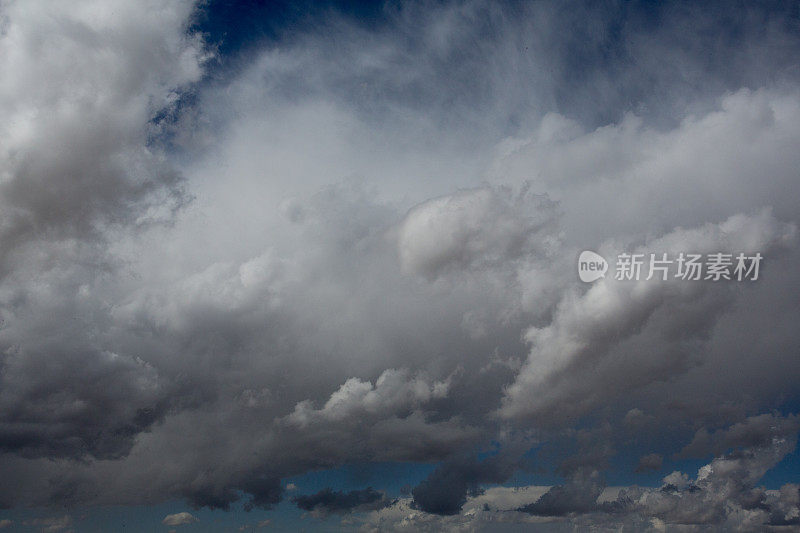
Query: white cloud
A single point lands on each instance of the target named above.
(472, 228)
(179, 519)
(395, 390)
(597, 328)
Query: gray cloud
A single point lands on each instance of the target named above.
(75, 165)
(723, 495)
(445, 490)
(329, 501)
(651, 461)
(618, 319)
(577, 496)
(51, 524)
(363, 250)
(476, 228)
(753, 431)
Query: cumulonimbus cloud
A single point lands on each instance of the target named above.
(360, 246)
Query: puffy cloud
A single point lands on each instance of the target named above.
(579, 495)
(722, 495)
(474, 228)
(87, 81)
(445, 490)
(724, 492)
(403, 516)
(360, 246)
(394, 391)
(75, 164)
(359, 418)
(597, 337)
(178, 519)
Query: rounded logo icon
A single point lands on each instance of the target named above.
(591, 266)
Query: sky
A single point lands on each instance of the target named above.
(316, 266)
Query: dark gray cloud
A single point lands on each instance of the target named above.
(579, 495)
(328, 501)
(445, 490)
(651, 461)
(76, 168)
(754, 431)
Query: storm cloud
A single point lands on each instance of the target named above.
(356, 242)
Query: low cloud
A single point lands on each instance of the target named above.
(446, 489)
(724, 494)
(578, 495)
(52, 525)
(328, 501)
(179, 519)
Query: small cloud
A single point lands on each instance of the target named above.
(53, 524)
(636, 418)
(250, 527)
(651, 462)
(178, 519)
